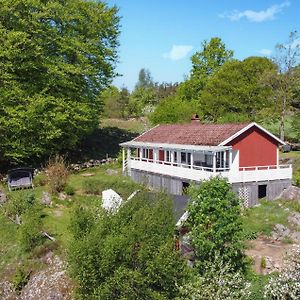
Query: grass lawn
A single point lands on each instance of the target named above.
(261, 219)
(137, 125)
(88, 186)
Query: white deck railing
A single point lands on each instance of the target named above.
(198, 173)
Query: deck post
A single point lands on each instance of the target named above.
(128, 159)
(214, 162)
(192, 159)
(230, 159)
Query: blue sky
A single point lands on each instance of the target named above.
(161, 35)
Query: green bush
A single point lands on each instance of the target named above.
(40, 180)
(30, 230)
(92, 186)
(69, 190)
(19, 203)
(20, 278)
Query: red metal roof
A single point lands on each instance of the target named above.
(190, 134)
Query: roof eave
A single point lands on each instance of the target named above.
(231, 138)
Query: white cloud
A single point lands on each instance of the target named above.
(178, 52)
(266, 52)
(257, 16)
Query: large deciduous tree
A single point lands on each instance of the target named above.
(127, 255)
(205, 62)
(234, 92)
(55, 58)
(284, 82)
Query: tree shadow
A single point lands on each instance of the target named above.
(100, 144)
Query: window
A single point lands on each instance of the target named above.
(145, 153)
(175, 156)
(183, 158)
(167, 156)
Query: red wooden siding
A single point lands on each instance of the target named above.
(161, 155)
(256, 148)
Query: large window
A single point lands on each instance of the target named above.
(167, 155)
(145, 153)
(186, 158)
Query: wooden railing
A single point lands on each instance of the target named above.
(258, 168)
(181, 165)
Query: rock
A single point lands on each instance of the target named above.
(7, 291)
(111, 172)
(62, 196)
(46, 199)
(2, 197)
(295, 236)
(291, 193)
(280, 232)
(294, 218)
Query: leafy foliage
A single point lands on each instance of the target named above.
(173, 110)
(205, 62)
(218, 281)
(130, 254)
(55, 58)
(215, 223)
(287, 284)
(235, 91)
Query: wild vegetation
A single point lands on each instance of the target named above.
(57, 62)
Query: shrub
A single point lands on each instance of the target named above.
(263, 262)
(69, 190)
(30, 230)
(40, 180)
(92, 186)
(20, 278)
(19, 203)
(287, 284)
(219, 281)
(215, 223)
(57, 174)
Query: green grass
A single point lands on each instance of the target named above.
(261, 219)
(9, 244)
(56, 219)
(138, 125)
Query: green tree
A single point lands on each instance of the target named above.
(215, 223)
(55, 58)
(284, 82)
(129, 254)
(173, 110)
(145, 79)
(235, 93)
(205, 63)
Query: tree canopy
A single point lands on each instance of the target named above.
(127, 255)
(55, 57)
(215, 223)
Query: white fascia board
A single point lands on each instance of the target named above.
(175, 146)
(248, 127)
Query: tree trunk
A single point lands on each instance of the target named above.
(281, 127)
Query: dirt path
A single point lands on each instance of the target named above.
(268, 250)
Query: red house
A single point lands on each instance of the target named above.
(170, 157)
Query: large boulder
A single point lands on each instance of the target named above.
(294, 218)
(291, 193)
(280, 232)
